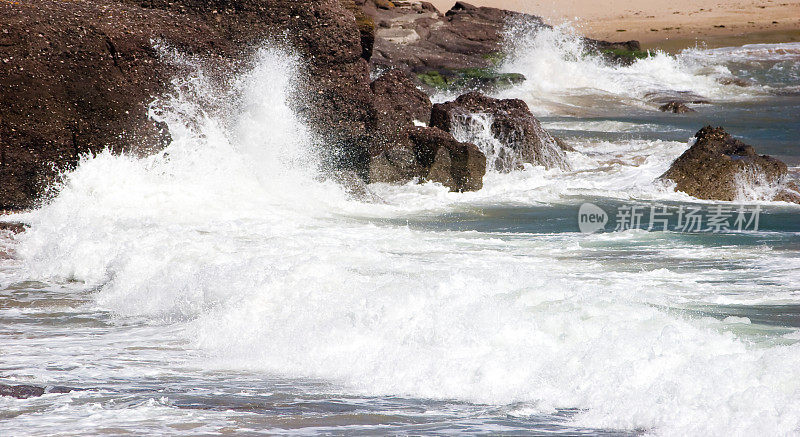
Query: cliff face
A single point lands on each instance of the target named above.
(77, 77)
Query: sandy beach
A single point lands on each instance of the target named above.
(670, 24)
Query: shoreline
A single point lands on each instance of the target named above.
(667, 25)
(675, 45)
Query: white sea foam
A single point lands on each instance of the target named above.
(565, 78)
(752, 185)
(789, 51)
(231, 239)
(604, 126)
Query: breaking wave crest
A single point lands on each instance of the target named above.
(565, 77)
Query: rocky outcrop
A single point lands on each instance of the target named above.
(512, 135)
(400, 151)
(76, 77)
(461, 49)
(716, 165)
(68, 83)
(458, 49)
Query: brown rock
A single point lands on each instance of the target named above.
(383, 4)
(366, 27)
(397, 104)
(13, 227)
(709, 169)
(430, 154)
(417, 37)
(459, 48)
(459, 166)
(676, 108)
(395, 164)
(789, 193)
(734, 81)
(29, 391)
(521, 137)
(398, 101)
(616, 52)
(663, 97)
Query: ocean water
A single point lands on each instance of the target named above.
(225, 286)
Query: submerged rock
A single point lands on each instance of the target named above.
(735, 81)
(517, 137)
(717, 165)
(30, 391)
(621, 53)
(676, 108)
(664, 97)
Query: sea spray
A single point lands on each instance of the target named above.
(237, 151)
(565, 76)
(502, 147)
(753, 185)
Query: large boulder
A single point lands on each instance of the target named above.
(430, 154)
(717, 164)
(77, 77)
(505, 129)
(459, 166)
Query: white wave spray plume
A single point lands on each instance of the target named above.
(500, 155)
(562, 70)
